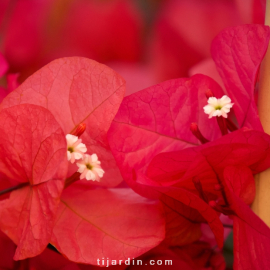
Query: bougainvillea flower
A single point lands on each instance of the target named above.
(77, 90)
(91, 223)
(158, 119)
(237, 53)
(185, 99)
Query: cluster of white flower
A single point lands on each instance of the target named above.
(89, 165)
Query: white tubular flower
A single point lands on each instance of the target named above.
(218, 106)
(75, 148)
(90, 168)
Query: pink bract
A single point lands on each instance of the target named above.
(78, 90)
(114, 223)
(158, 119)
(33, 151)
(237, 53)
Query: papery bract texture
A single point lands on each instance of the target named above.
(238, 53)
(114, 223)
(251, 245)
(32, 151)
(235, 156)
(77, 90)
(228, 162)
(158, 119)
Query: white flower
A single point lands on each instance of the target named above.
(90, 168)
(75, 149)
(218, 106)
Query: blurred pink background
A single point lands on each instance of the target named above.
(146, 41)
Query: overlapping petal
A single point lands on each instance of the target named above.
(33, 152)
(158, 119)
(77, 90)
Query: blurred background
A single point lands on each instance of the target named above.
(146, 41)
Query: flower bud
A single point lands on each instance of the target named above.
(79, 130)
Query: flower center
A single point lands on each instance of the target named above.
(89, 166)
(70, 149)
(218, 107)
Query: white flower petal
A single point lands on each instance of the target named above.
(68, 155)
(218, 107)
(77, 155)
(90, 168)
(94, 158)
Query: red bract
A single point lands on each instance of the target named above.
(237, 53)
(78, 90)
(233, 158)
(95, 223)
(33, 151)
(161, 123)
(158, 119)
(251, 234)
(253, 254)
(241, 153)
(115, 223)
